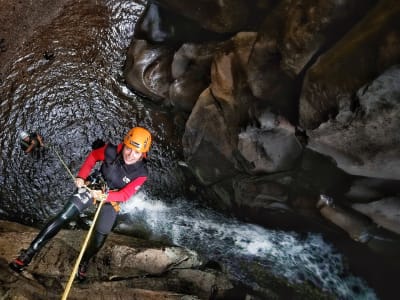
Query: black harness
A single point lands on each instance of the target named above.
(116, 173)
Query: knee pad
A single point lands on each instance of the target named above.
(69, 212)
(82, 198)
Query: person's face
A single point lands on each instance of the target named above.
(131, 156)
(26, 139)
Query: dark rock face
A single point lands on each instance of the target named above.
(221, 17)
(309, 76)
(147, 68)
(19, 20)
(355, 60)
(363, 141)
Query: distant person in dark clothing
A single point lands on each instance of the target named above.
(31, 142)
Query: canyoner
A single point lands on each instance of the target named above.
(122, 172)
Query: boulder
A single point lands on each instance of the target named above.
(368, 49)
(384, 212)
(365, 142)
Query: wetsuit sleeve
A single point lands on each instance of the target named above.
(90, 161)
(127, 191)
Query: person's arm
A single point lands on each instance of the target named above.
(30, 147)
(39, 138)
(127, 191)
(90, 161)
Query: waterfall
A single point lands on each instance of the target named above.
(240, 246)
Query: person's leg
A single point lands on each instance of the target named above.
(96, 241)
(54, 226)
(50, 230)
(103, 227)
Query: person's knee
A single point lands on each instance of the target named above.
(99, 239)
(82, 198)
(69, 212)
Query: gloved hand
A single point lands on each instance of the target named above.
(98, 195)
(79, 182)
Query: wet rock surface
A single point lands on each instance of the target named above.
(126, 268)
(19, 20)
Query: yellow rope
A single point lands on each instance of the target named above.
(78, 261)
(75, 270)
(63, 163)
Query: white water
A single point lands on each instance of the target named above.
(237, 244)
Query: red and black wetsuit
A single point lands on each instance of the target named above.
(122, 179)
(32, 137)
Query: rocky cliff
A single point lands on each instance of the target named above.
(282, 101)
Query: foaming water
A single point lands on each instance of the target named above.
(241, 246)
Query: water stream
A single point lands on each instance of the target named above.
(241, 246)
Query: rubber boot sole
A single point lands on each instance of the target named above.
(16, 267)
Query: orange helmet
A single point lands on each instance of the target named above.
(138, 139)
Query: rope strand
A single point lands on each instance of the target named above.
(84, 246)
(63, 163)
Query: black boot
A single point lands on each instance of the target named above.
(22, 260)
(81, 275)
